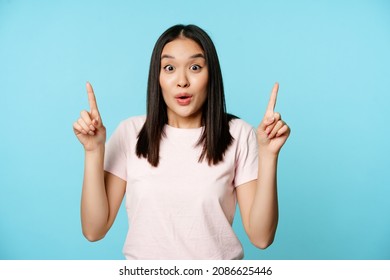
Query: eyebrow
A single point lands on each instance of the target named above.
(198, 55)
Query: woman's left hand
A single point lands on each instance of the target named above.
(272, 132)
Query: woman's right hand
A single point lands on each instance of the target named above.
(89, 128)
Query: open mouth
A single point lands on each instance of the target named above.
(183, 99)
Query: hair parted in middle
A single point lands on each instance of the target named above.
(215, 137)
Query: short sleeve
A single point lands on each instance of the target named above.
(246, 157)
(115, 158)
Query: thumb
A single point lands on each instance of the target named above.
(97, 122)
(95, 117)
(267, 120)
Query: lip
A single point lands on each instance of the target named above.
(183, 98)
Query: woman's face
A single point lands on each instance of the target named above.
(183, 80)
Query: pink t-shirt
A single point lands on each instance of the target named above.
(182, 209)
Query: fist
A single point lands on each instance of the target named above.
(272, 132)
(89, 128)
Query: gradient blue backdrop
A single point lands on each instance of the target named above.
(331, 59)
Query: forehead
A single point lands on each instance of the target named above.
(182, 47)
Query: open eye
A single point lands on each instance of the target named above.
(169, 68)
(195, 67)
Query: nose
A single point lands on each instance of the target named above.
(182, 80)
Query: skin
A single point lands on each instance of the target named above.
(183, 71)
(258, 199)
(102, 192)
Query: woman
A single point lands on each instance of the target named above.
(185, 164)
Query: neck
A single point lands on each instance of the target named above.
(186, 122)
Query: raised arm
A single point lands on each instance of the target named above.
(258, 199)
(102, 192)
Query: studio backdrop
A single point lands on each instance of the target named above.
(331, 59)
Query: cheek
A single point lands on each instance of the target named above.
(204, 84)
(165, 82)
(205, 79)
(201, 82)
(162, 82)
(202, 88)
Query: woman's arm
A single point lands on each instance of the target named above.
(258, 203)
(257, 199)
(102, 192)
(102, 195)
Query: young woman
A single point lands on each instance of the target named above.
(185, 164)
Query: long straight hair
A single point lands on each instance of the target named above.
(216, 137)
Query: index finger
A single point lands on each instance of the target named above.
(272, 98)
(91, 97)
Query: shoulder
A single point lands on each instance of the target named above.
(130, 127)
(239, 127)
(132, 123)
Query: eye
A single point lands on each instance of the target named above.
(169, 68)
(195, 67)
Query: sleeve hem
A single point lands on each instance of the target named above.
(244, 182)
(120, 176)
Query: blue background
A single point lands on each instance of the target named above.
(331, 59)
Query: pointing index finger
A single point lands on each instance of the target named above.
(91, 98)
(272, 99)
